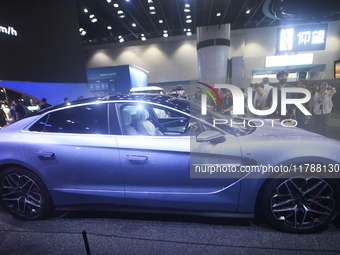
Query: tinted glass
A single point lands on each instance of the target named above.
(89, 119)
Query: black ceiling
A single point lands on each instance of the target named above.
(262, 13)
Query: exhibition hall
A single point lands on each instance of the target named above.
(170, 127)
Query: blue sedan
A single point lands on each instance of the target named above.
(159, 152)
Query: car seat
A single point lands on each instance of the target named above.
(126, 118)
(144, 126)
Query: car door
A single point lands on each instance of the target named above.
(72, 151)
(156, 169)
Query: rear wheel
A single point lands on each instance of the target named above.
(299, 204)
(24, 195)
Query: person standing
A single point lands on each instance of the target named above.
(44, 104)
(267, 87)
(260, 97)
(13, 113)
(227, 102)
(3, 117)
(290, 111)
(19, 109)
(322, 108)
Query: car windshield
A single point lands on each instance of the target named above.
(232, 124)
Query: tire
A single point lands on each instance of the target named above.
(300, 205)
(24, 195)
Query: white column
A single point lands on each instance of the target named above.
(213, 46)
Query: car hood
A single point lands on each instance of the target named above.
(277, 144)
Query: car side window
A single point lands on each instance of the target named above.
(148, 119)
(84, 119)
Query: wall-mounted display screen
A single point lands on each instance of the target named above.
(301, 38)
(337, 69)
(40, 41)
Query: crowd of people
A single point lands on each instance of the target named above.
(18, 110)
(320, 104)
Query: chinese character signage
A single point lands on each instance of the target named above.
(302, 38)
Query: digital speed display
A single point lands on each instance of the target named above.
(302, 38)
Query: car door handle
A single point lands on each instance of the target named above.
(43, 154)
(137, 159)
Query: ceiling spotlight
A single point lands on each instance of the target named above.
(120, 12)
(82, 31)
(86, 10)
(152, 12)
(187, 5)
(218, 14)
(248, 11)
(165, 35)
(160, 21)
(150, 1)
(94, 20)
(186, 10)
(133, 25)
(152, 7)
(109, 1)
(91, 16)
(188, 21)
(109, 27)
(115, 5)
(120, 39)
(189, 33)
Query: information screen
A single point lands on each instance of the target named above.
(40, 41)
(302, 38)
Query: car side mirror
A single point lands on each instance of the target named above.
(213, 137)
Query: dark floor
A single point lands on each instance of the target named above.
(118, 233)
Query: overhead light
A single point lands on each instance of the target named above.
(109, 27)
(109, 1)
(150, 1)
(86, 10)
(152, 7)
(188, 16)
(94, 20)
(248, 11)
(120, 12)
(121, 16)
(152, 12)
(82, 31)
(218, 14)
(188, 21)
(160, 21)
(189, 33)
(165, 35)
(133, 24)
(186, 10)
(187, 5)
(120, 39)
(115, 5)
(91, 16)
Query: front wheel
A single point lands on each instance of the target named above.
(299, 204)
(24, 195)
